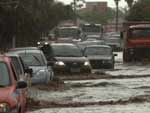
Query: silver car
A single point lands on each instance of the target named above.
(100, 56)
(35, 59)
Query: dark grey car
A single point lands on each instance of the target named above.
(65, 57)
(100, 56)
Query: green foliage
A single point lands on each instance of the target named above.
(130, 3)
(98, 17)
(139, 11)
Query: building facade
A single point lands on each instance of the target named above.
(100, 7)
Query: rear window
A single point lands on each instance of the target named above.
(140, 33)
(98, 51)
(66, 51)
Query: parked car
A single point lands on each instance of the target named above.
(100, 56)
(65, 57)
(84, 44)
(13, 91)
(35, 59)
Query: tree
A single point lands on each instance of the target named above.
(97, 17)
(139, 11)
(130, 3)
(28, 20)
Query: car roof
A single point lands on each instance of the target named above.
(93, 36)
(140, 26)
(25, 51)
(64, 27)
(90, 41)
(12, 54)
(98, 46)
(24, 48)
(91, 24)
(66, 44)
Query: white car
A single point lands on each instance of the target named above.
(35, 59)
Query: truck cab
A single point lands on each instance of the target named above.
(136, 42)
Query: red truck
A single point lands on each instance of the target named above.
(136, 46)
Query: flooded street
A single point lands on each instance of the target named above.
(124, 90)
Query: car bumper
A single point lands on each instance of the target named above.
(67, 69)
(99, 64)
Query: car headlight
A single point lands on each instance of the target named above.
(4, 107)
(38, 43)
(86, 63)
(60, 63)
(46, 43)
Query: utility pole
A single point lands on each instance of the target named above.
(74, 8)
(75, 5)
(117, 10)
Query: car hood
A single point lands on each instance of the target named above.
(7, 91)
(99, 57)
(70, 59)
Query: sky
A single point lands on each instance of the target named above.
(111, 3)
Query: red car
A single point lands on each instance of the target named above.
(13, 91)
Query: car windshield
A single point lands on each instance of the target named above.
(66, 51)
(91, 28)
(32, 59)
(68, 32)
(97, 51)
(140, 33)
(84, 44)
(4, 75)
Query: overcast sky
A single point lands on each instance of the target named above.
(111, 3)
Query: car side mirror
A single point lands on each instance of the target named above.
(115, 55)
(21, 84)
(29, 71)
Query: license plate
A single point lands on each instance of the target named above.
(75, 70)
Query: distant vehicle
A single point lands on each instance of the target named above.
(84, 44)
(35, 59)
(13, 92)
(114, 42)
(100, 56)
(136, 36)
(67, 34)
(65, 57)
(92, 29)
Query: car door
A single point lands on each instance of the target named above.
(21, 92)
